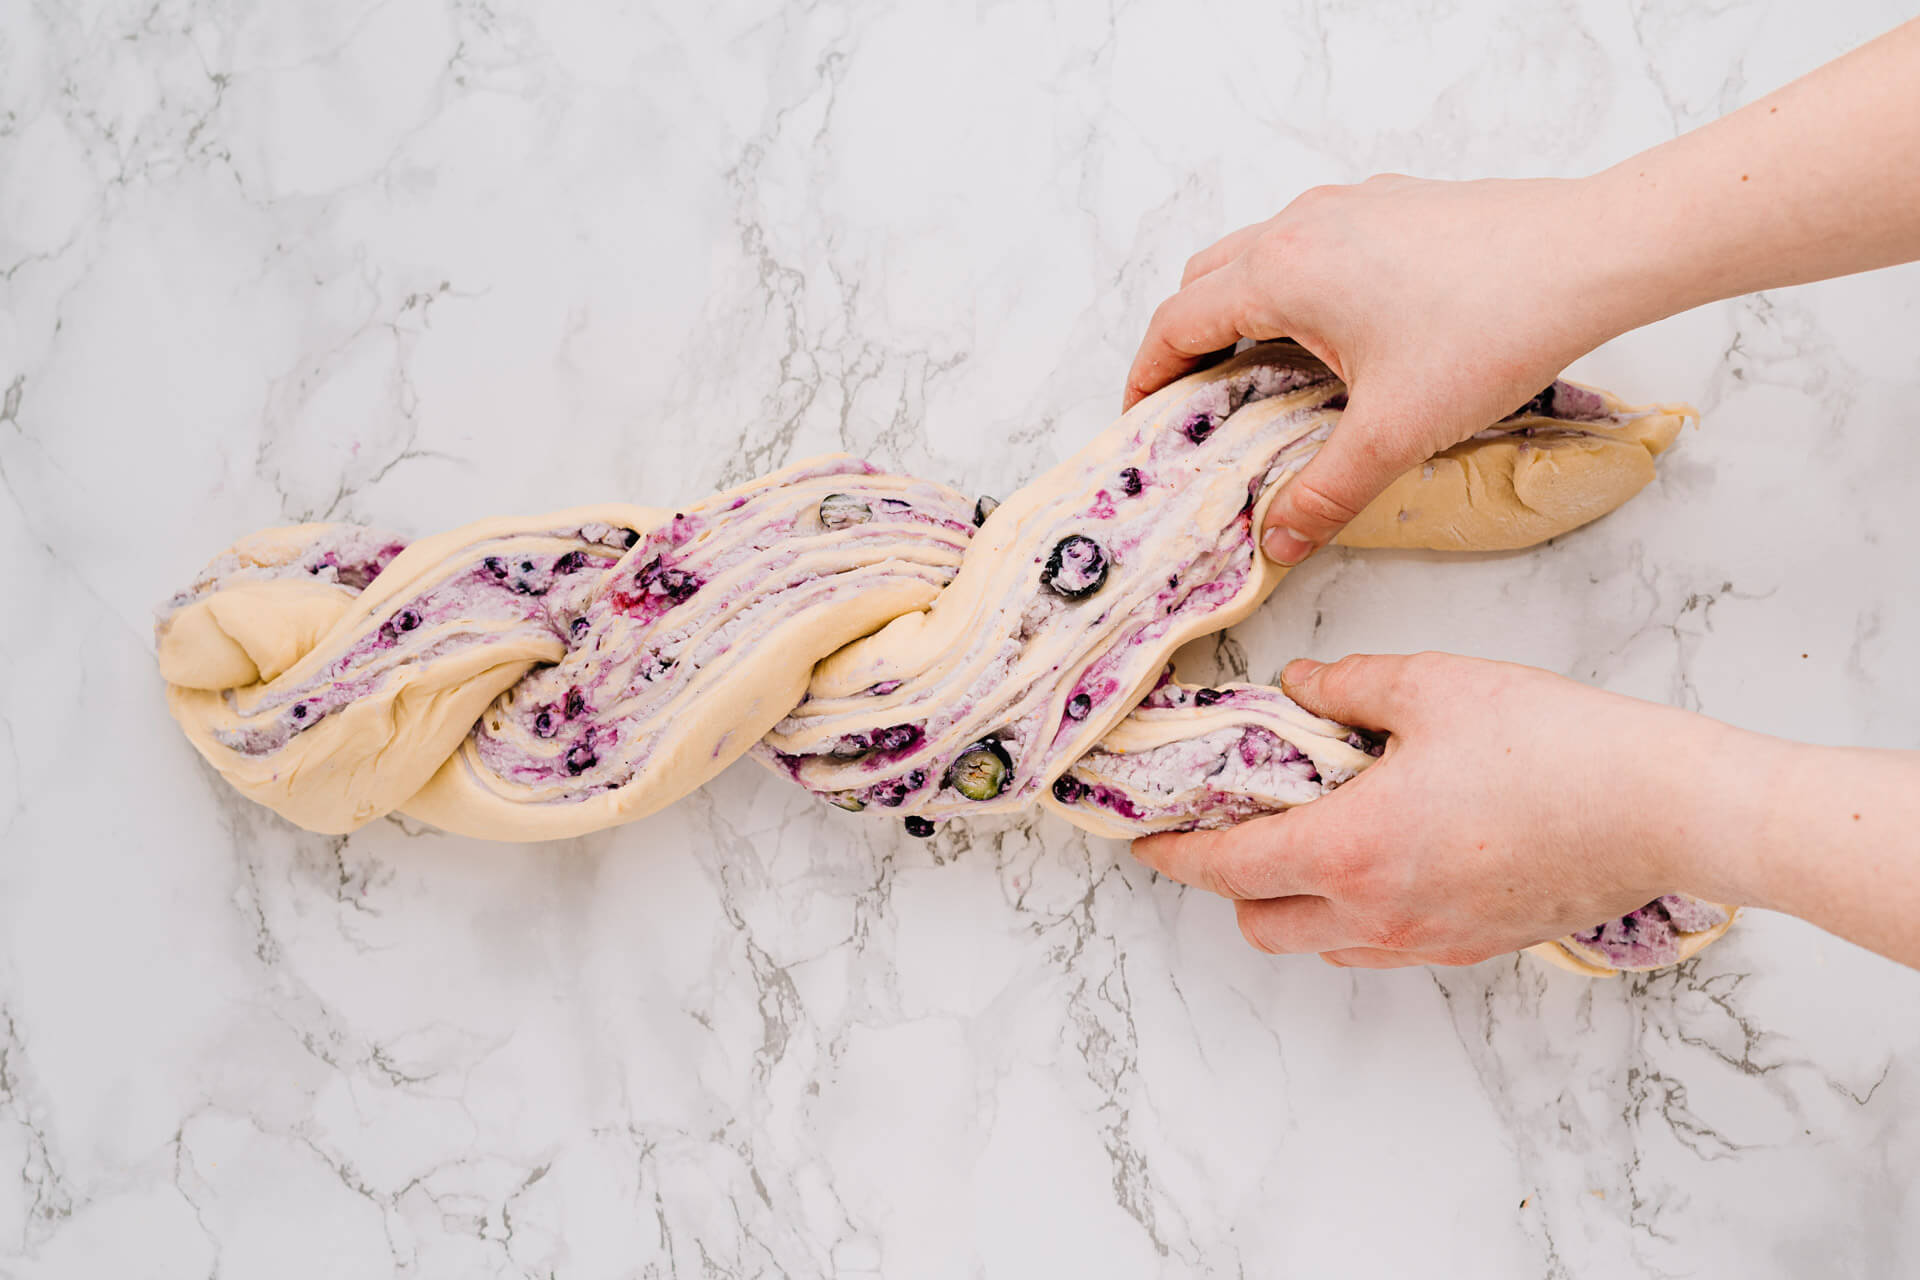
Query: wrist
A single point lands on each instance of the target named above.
(1725, 845)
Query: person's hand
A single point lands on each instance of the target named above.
(1443, 305)
(1511, 806)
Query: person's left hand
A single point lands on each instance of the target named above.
(1511, 806)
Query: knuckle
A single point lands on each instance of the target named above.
(1349, 676)
(1270, 256)
(1392, 931)
(1350, 874)
(1317, 502)
(1418, 673)
(1316, 197)
(1256, 929)
(1229, 879)
(1459, 954)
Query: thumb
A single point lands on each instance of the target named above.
(1366, 452)
(1368, 690)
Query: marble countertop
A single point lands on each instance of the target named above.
(419, 261)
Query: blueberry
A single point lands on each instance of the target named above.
(543, 723)
(896, 738)
(495, 566)
(1207, 697)
(1131, 483)
(577, 628)
(1076, 568)
(983, 508)
(580, 759)
(1372, 744)
(894, 794)
(676, 585)
(1199, 427)
(919, 826)
(628, 538)
(299, 711)
(1068, 789)
(572, 562)
(981, 771)
(576, 702)
(526, 566)
(1078, 706)
(843, 511)
(406, 620)
(1541, 406)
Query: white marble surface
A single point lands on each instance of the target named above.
(418, 261)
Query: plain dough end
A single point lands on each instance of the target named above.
(247, 633)
(1509, 492)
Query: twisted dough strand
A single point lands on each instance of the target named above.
(537, 678)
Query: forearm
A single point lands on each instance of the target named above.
(1818, 179)
(1829, 834)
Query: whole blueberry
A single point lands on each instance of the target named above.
(919, 826)
(843, 511)
(406, 620)
(543, 723)
(1199, 427)
(1078, 706)
(1131, 482)
(1207, 697)
(981, 771)
(1077, 567)
(1068, 789)
(985, 507)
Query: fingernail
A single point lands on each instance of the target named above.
(1297, 670)
(1284, 546)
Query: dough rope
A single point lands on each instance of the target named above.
(885, 642)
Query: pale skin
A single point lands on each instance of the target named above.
(1487, 825)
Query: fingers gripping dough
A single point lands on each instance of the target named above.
(534, 678)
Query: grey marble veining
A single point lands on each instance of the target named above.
(418, 261)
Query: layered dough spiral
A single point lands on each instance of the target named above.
(884, 642)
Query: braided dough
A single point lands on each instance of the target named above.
(884, 642)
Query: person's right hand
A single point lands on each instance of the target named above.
(1443, 305)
